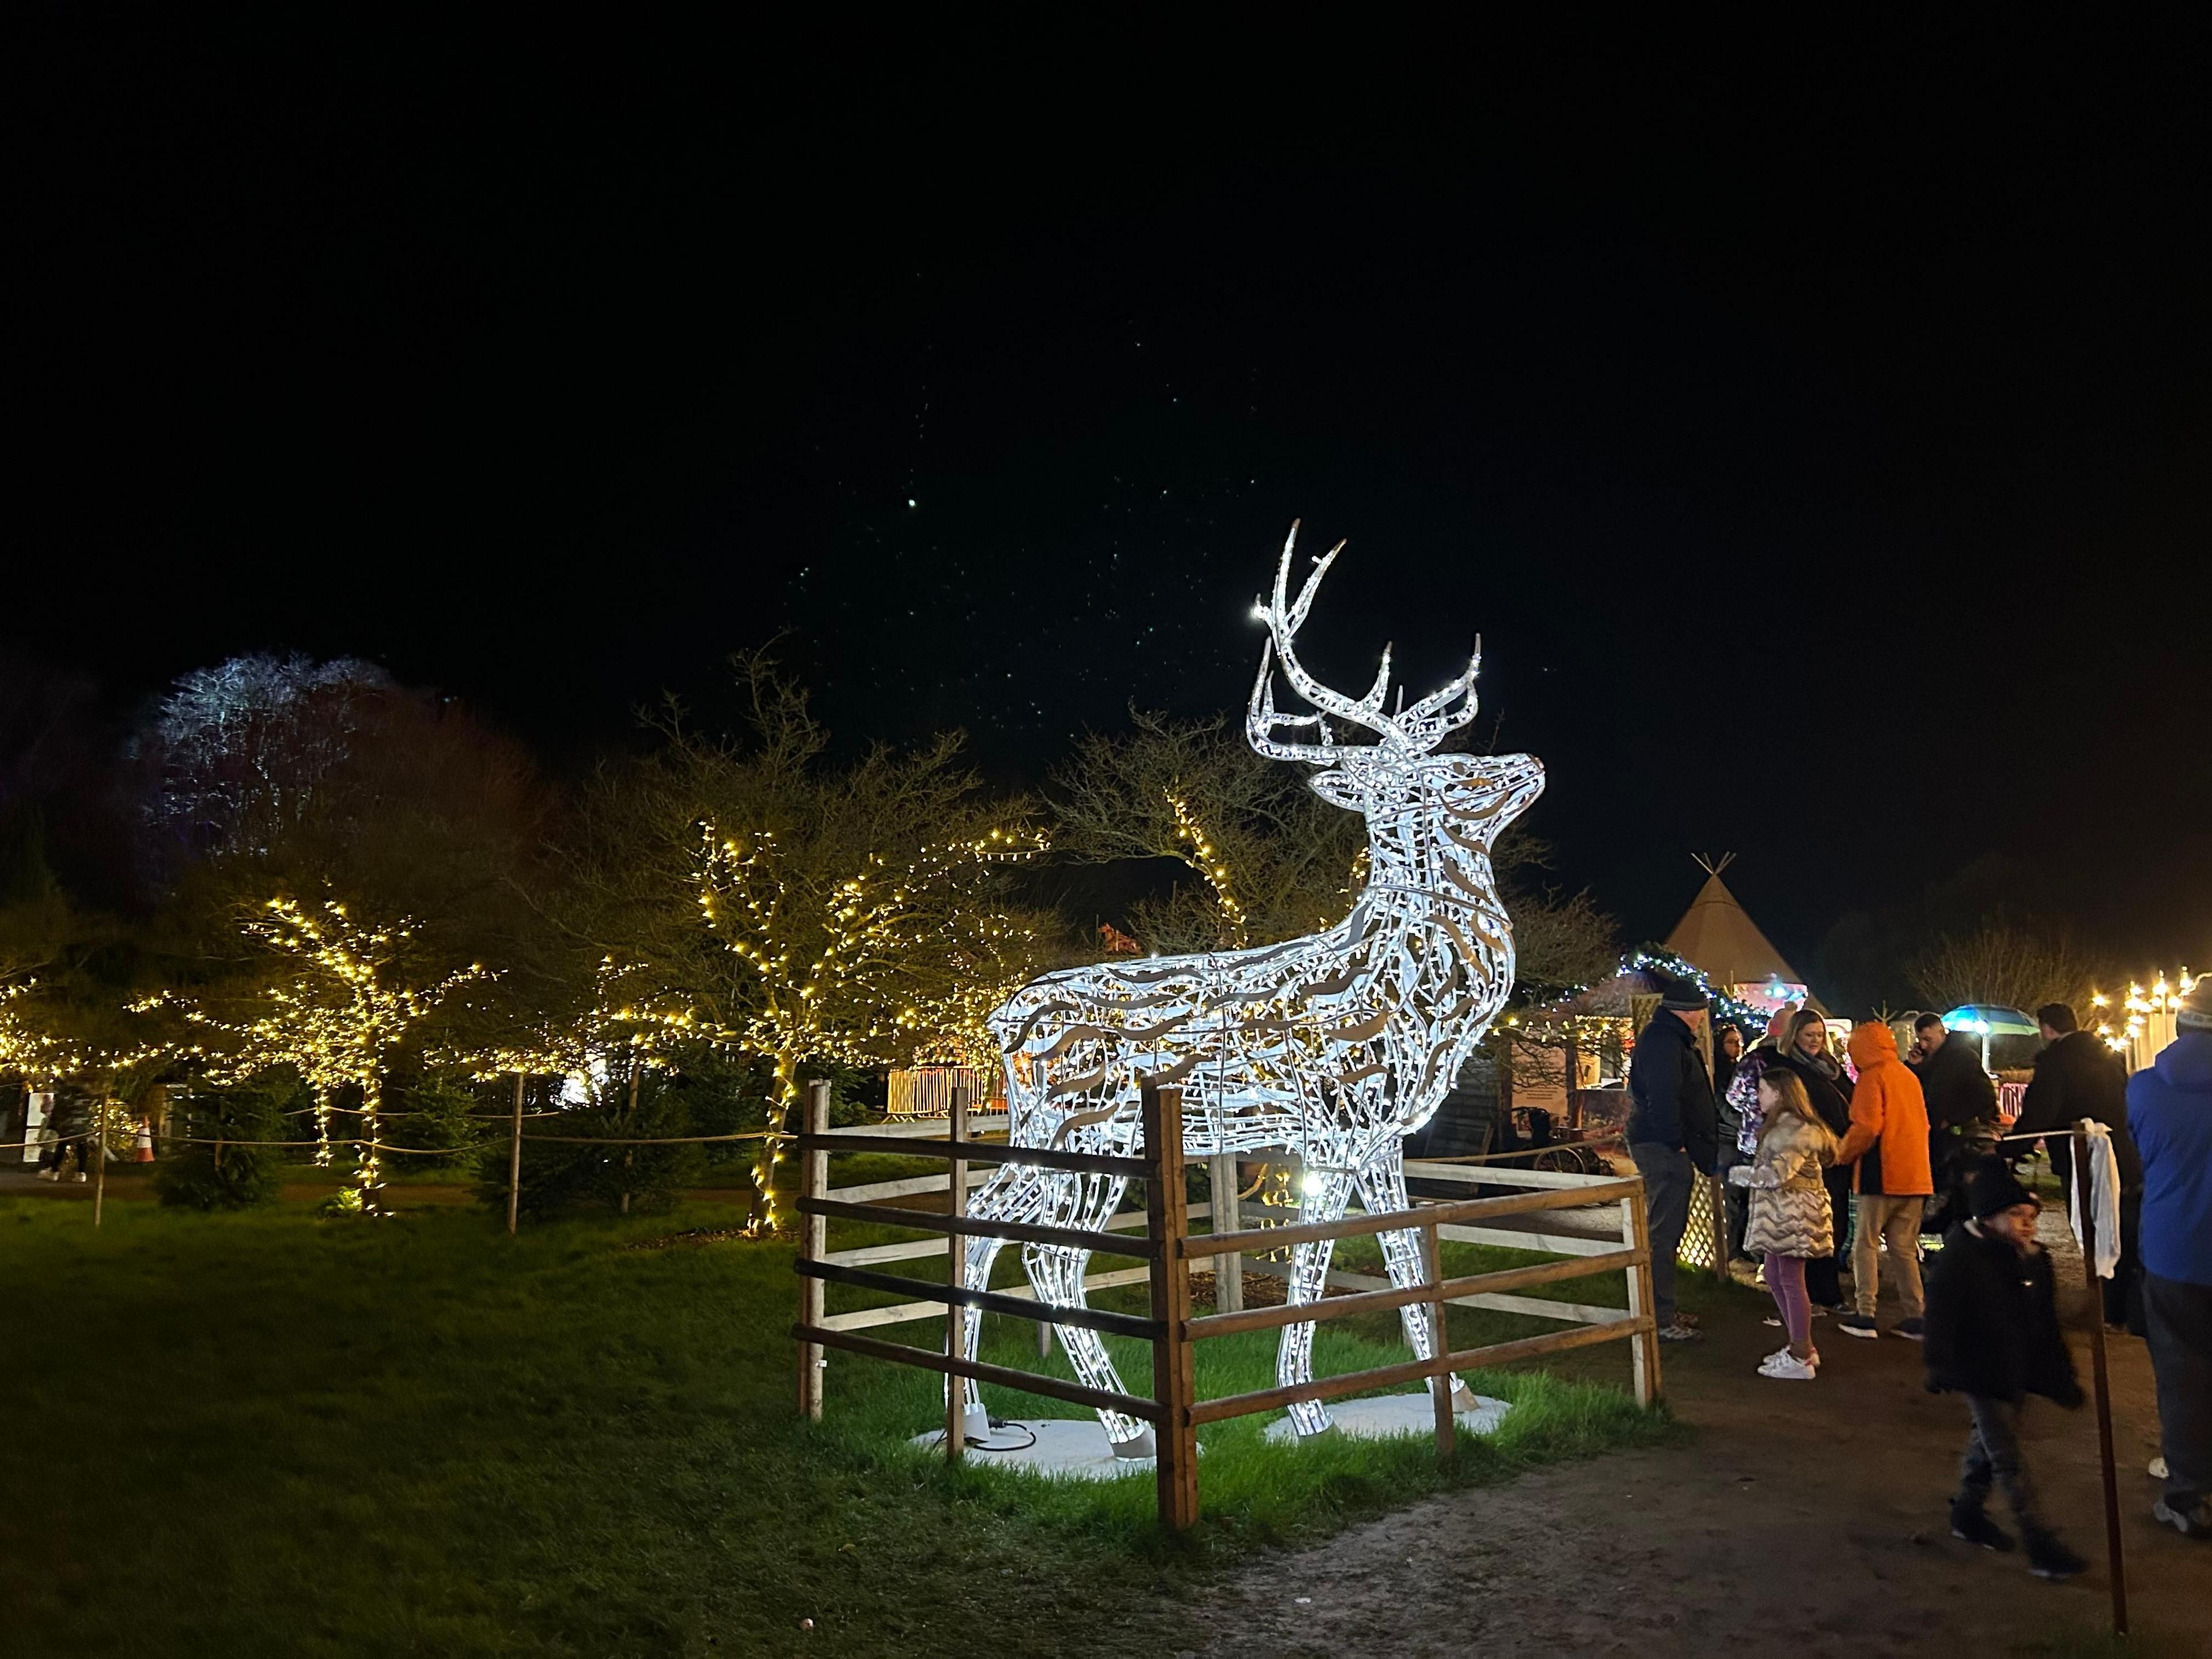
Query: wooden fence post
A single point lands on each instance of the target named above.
(813, 1236)
(955, 1275)
(1718, 1187)
(1644, 1347)
(1228, 1270)
(1440, 1389)
(515, 1163)
(2116, 1568)
(1175, 1386)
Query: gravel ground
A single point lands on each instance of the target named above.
(1808, 1519)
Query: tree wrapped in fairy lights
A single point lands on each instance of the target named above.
(759, 900)
(341, 1001)
(111, 1050)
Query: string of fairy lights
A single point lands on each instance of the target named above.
(828, 978)
(2143, 1019)
(835, 979)
(1207, 860)
(1553, 1024)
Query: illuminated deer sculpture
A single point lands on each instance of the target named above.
(1336, 1046)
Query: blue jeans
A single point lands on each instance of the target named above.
(1665, 1172)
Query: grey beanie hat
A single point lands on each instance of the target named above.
(2195, 1011)
(1679, 995)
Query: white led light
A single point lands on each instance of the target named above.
(1335, 1047)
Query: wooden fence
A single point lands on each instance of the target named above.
(1167, 1249)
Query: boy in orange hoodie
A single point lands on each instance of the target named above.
(1891, 1183)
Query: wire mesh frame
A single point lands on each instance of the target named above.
(1705, 1239)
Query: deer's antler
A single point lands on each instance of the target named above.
(1415, 731)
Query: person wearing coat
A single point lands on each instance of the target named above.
(2170, 1112)
(1993, 1336)
(1727, 1055)
(1804, 1051)
(2077, 1076)
(1886, 1148)
(1673, 1129)
(1743, 1081)
(1962, 1114)
(1790, 1219)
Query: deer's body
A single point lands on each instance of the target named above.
(1335, 1046)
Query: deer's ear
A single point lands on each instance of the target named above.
(1337, 790)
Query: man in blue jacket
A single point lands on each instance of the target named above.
(2170, 1115)
(1672, 1125)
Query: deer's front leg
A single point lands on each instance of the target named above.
(1327, 1195)
(1383, 1189)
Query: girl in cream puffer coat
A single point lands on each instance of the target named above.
(1790, 1220)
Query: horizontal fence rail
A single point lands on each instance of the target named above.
(1051, 1313)
(981, 1151)
(968, 1227)
(1169, 1251)
(1398, 1221)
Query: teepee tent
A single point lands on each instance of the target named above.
(1718, 936)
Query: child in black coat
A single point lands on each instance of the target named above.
(1992, 1334)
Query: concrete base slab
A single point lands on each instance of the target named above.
(1065, 1448)
(1384, 1415)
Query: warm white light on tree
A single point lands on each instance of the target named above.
(336, 1017)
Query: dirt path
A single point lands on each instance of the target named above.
(1807, 1519)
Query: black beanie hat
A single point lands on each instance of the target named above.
(1679, 994)
(1992, 1187)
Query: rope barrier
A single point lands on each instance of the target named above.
(472, 1117)
(658, 1140)
(430, 1152)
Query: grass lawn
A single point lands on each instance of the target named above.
(268, 1434)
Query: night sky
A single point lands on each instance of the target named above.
(1817, 435)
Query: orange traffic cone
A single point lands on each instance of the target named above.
(145, 1144)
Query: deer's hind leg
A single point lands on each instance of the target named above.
(1087, 1202)
(1383, 1189)
(1328, 1194)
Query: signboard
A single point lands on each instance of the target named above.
(37, 1108)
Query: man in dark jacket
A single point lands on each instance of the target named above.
(1992, 1334)
(2077, 1076)
(1962, 1112)
(1674, 1130)
(2170, 1110)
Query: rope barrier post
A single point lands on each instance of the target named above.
(629, 1155)
(955, 1275)
(515, 1163)
(99, 1173)
(813, 1245)
(1175, 1385)
(2116, 1569)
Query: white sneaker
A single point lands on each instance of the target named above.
(1788, 1368)
(2157, 1469)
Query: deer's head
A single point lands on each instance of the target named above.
(1399, 771)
